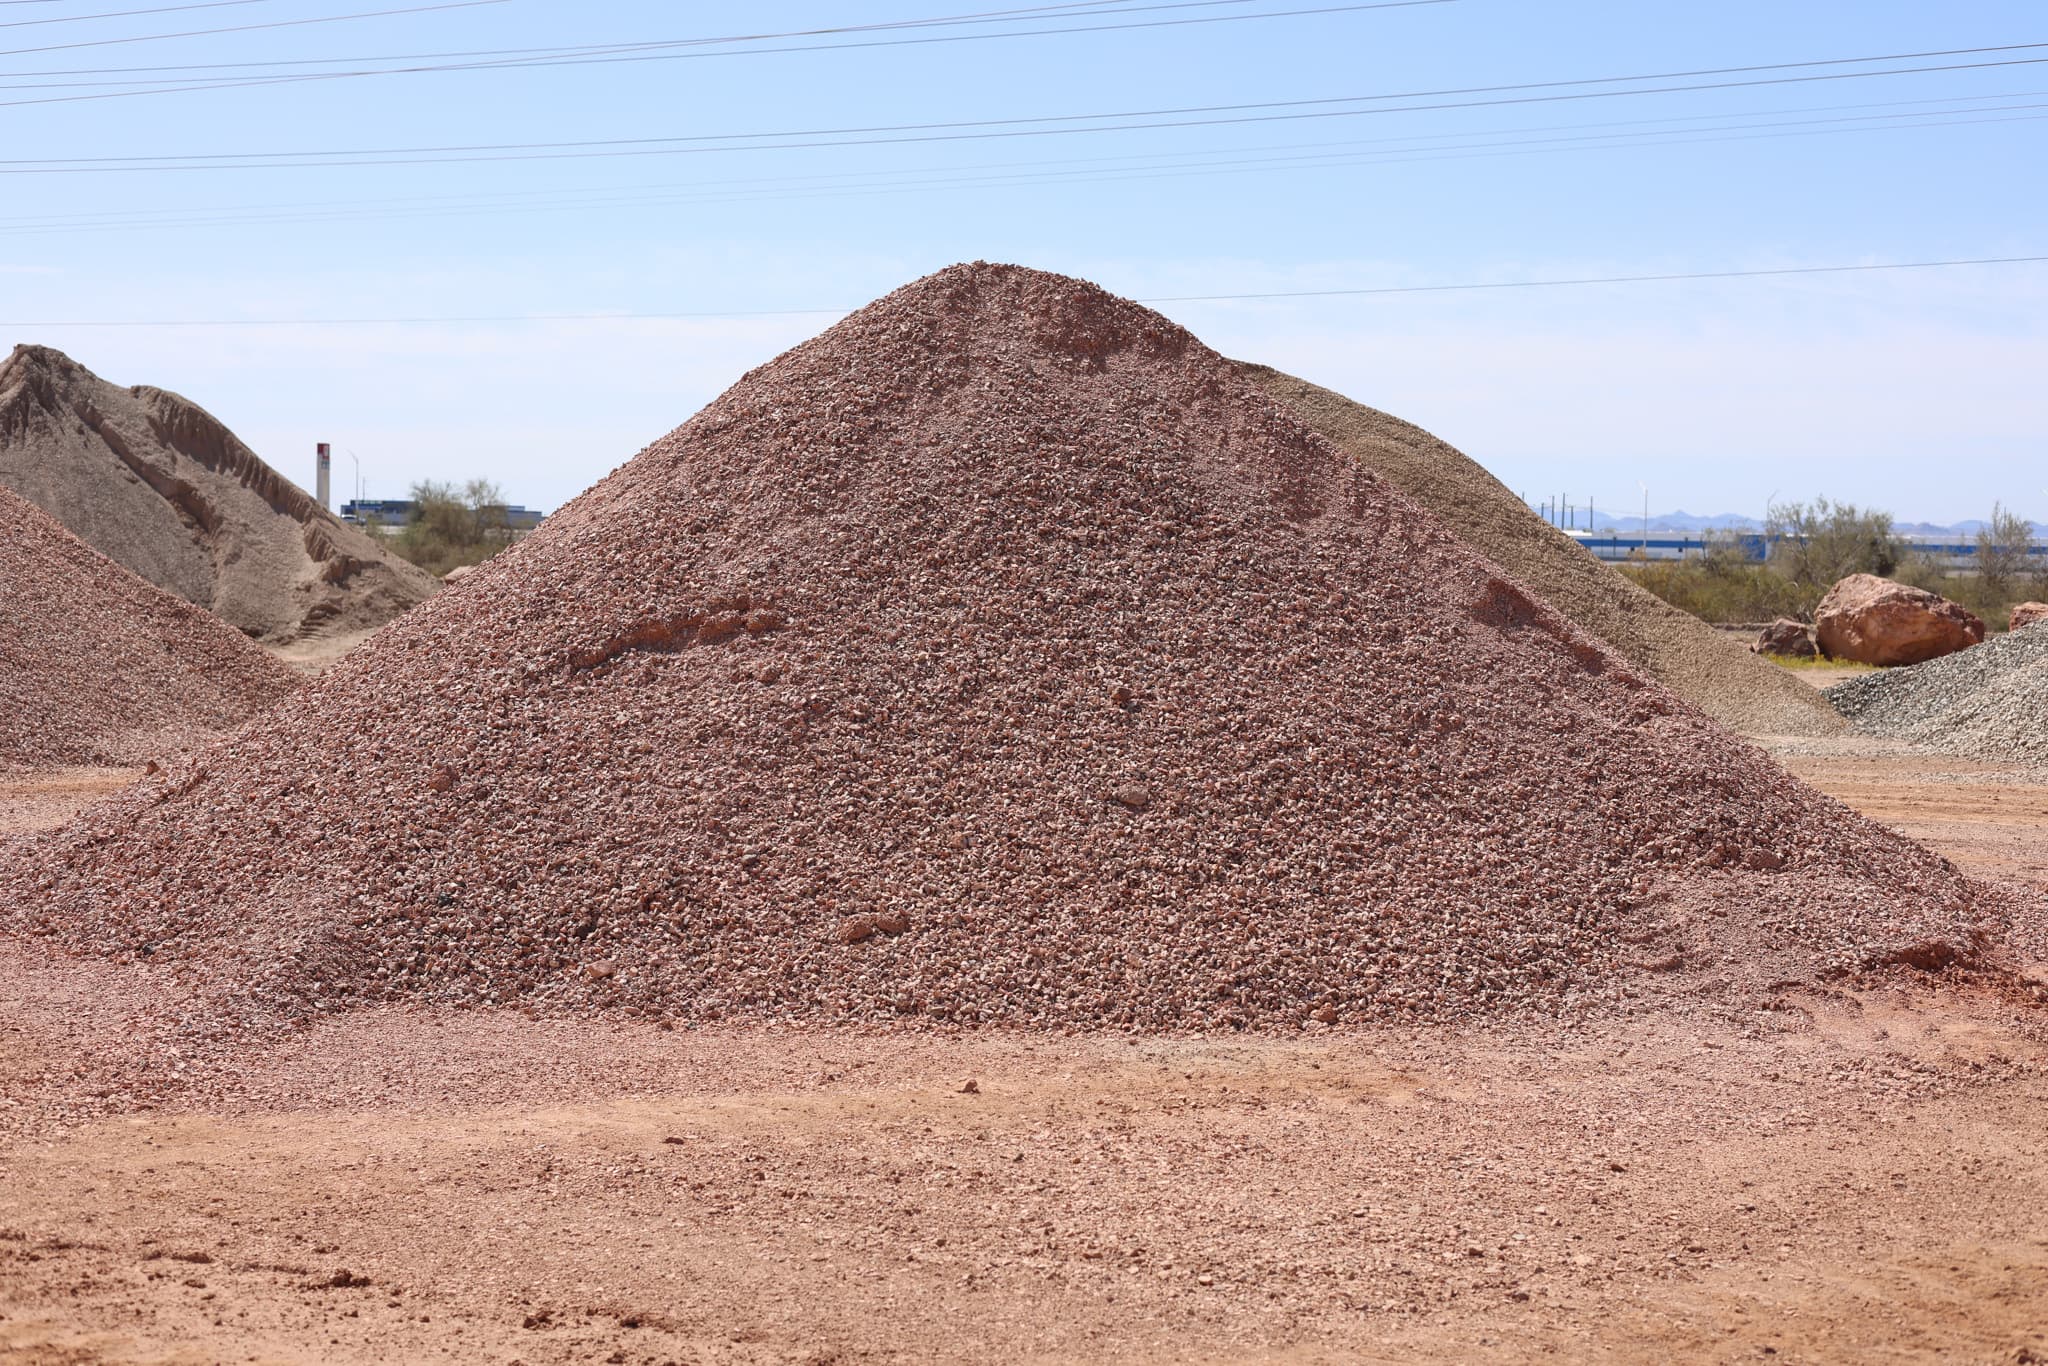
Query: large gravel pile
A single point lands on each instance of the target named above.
(155, 482)
(1700, 664)
(999, 655)
(1989, 701)
(99, 667)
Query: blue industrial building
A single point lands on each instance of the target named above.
(1665, 545)
(398, 511)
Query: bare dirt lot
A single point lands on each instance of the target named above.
(1852, 1176)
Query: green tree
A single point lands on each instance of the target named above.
(1815, 544)
(451, 526)
(2002, 554)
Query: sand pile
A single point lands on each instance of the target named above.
(1715, 674)
(1989, 701)
(97, 666)
(157, 483)
(998, 655)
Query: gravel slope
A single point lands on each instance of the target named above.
(1989, 701)
(1695, 661)
(1000, 655)
(99, 667)
(157, 483)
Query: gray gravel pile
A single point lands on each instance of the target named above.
(1989, 701)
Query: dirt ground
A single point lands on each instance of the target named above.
(1824, 1177)
(315, 654)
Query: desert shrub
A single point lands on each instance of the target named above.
(1813, 546)
(452, 526)
(1817, 544)
(1724, 585)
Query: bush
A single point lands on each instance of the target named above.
(1819, 544)
(1724, 585)
(449, 527)
(1814, 546)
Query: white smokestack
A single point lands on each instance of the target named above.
(325, 459)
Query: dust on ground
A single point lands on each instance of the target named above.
(1857, 1179)
(1849, 1176)
(314, 655)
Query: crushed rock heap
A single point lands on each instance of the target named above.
(1720, 677)
(155, 482)
(999, 655)
(99, 667)
(1988, 702)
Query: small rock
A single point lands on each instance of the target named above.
(970, 1087)
(442, 778)
(1135, 796)
(855, 928)
(1786, 638)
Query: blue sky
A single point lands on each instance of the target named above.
(1919, 391)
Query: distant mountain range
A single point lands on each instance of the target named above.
(1693, 523)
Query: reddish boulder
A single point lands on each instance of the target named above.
(1792, 639)
(1875, 621)
(2026, 614)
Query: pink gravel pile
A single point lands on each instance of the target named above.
(98, 666)
(1000, 655)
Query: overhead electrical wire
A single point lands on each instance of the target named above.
(1645, 127)
(249, 28)
(1027, 14)
(1027, 174)
(618, 55)
(1249, 296)
(992, 16)
(127, 13)
(617, 52)
(1018, 127)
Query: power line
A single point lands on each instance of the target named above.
(621, 53)
(1664, 278)
(1007, 15)
(247, 28)
(513, 198)
(1031, 126)
(1092, 170)
(127, 13)
(1597, 280)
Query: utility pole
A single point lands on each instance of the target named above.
(1646, 515)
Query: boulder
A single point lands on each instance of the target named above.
(1875, 621)
(2026, 614)
(1786, 637)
